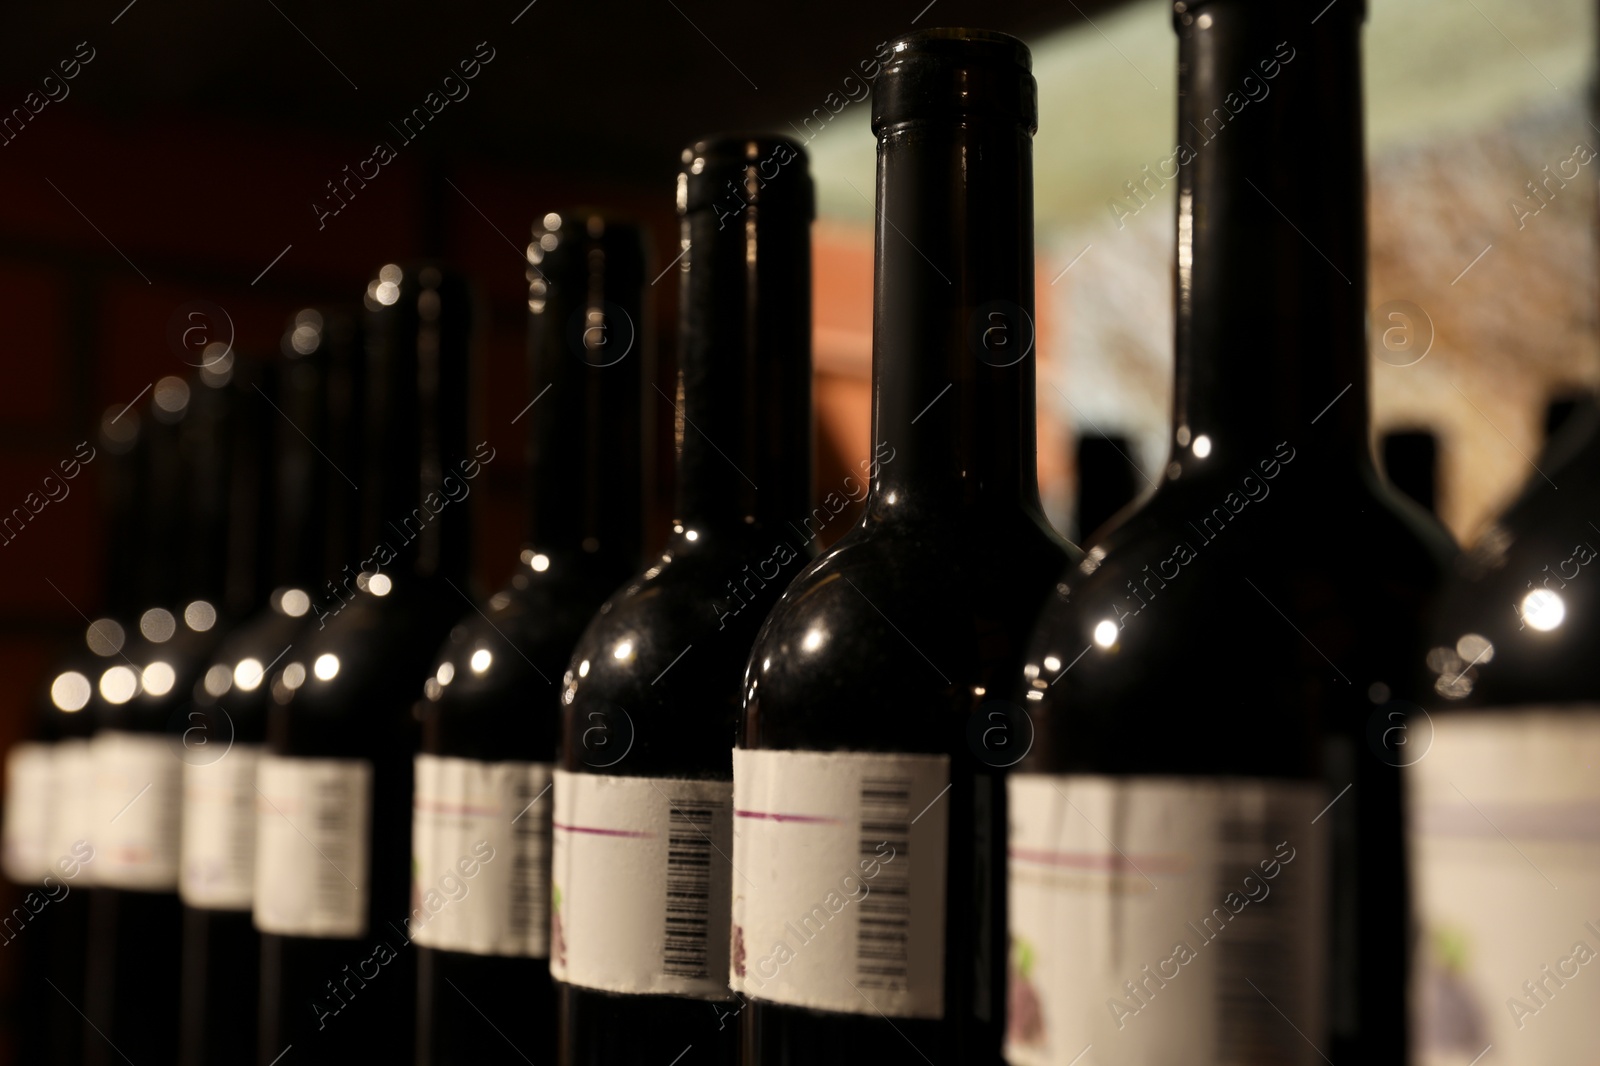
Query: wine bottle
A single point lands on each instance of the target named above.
(272, 576)
(338, 977)
(1206, 855)
(490, 719)
(48, 802)
(870, 815)
(1501, 788)
(131, 982)
(643, 798)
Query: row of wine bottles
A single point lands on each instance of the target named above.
(950, 790)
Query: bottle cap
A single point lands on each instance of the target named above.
(730, 172)
(945, 75)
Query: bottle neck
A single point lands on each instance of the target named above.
(1271, 279)
(586, 355)
(251, 497)
(425, 467)
(122, 493)
(208, 439)
(300, 518)
(742, 415)
(953, 347)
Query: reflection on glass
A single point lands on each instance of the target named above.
(118, 684)
(70, 691)
(157, 625)
(200, 616)
(1543, 609)
(326, 667)
(158, 678)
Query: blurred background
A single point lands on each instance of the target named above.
(161, 159)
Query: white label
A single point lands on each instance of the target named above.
(1505, 832)
(312, 846)
(25, 850)
(641, 880)
(72, 808)
(1163, 920)
(841, 906)
(138, 787)
(219, 831)
(492, 819)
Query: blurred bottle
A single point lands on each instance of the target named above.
(49, 778)
(1207, 863)
(332, 881)
(1504, 778)
(643, 798)
(276, 563)
(491, 722)
(131, 994)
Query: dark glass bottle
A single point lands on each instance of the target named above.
(490, 720)
(273, 577)
(651, 698)
(1206, 859)
(54, 858)
(868, 774)
(338, 977)
(1501, 783)
(131, 982)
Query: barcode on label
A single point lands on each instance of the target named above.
(530, 874)
(883, 941)
(1254, 953)
(333, 800)
(685, 950)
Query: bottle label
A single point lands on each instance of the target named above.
(138, 789)
(841, 906)
(480, 847)
(313, 818)
(1505, 835)
(219, 831)
(1161, 920)
(25, 838)
(72, 808)
(641, 881)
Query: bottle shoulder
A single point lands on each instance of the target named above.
(665, 654)
(895, 625)
(708, 594)
(372, 655)
(1524, 605)
(1284, 604)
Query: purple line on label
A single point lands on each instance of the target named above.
(602, 832)
(809, 819)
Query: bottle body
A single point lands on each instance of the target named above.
(650, 698)
(870, 807)
(491, 728)
(483, 785)
(1144, 802)
(333, 888)
(1212, 685)
(137, 755)
(1501, 798)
